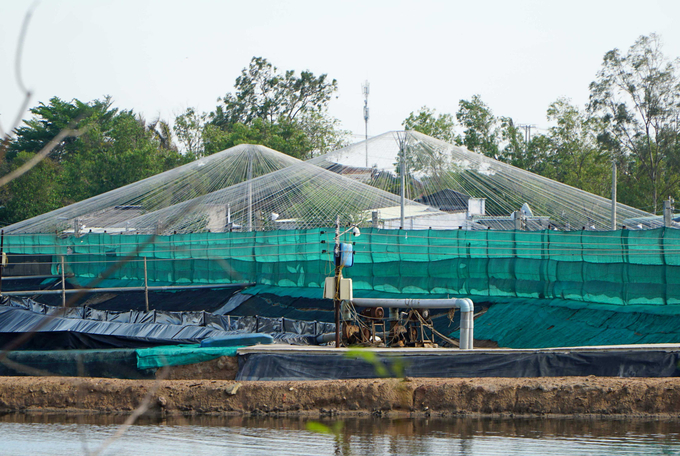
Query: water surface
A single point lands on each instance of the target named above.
(41, 434)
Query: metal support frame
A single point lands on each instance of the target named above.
(465, 305)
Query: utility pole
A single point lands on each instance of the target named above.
(365, 88)
(527, 132)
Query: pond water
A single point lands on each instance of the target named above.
(22, 434)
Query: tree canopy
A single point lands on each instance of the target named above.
(283, 111)
(427, 121)
(115, 148)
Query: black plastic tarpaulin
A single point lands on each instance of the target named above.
(449, 364)
(55, 332)
(85, 327)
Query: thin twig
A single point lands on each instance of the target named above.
(5, 136)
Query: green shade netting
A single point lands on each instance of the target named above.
(541, 324)
(620, 268)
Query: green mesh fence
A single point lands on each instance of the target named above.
(539, 324)
(614, 268)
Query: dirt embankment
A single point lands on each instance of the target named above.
(492, 396)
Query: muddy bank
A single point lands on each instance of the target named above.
(384, 397)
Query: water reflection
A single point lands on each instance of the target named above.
(72, 435)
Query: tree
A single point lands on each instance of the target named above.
(189, 131)
(637, 97)
(426, 121)
(36, 192)
(515, 151)
(115, 148)
(481, 129)
(114, 153)
(274, 108)
(263, 93)
(49, 119)
(575, 157)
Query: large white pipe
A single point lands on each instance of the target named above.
(465, 305)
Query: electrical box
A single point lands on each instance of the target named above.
(345, 289)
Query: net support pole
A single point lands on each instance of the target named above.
(250, 193)
(667, 213)
(338, 275)
(2, 256)
(614, 195)
(146, 287)
(402, 171)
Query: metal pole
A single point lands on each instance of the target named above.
(63, 283)
(403, 181)
(146, 287)
(667, 213)
(250, 193)
(338, 275)
(614, 195)
(2, 256)
(365, 90)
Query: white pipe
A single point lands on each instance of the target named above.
(465, 305)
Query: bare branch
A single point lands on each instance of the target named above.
(17, 72)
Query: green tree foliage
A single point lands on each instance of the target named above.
(283, 111)
(49, 119)
(427, 121)
(116, 148)
(573, 155)
(189, 131)
(480, 127)
(515, 151)
(34, 193)
(637, 97)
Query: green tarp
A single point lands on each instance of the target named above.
(179, 355)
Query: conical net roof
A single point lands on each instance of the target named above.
(184, 183)
(444, 175)
(300, 196)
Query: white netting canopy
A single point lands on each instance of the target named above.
(200, 177)
(446, 176)
(300, 196)
(251, 187)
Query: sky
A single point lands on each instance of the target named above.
(161, 57)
